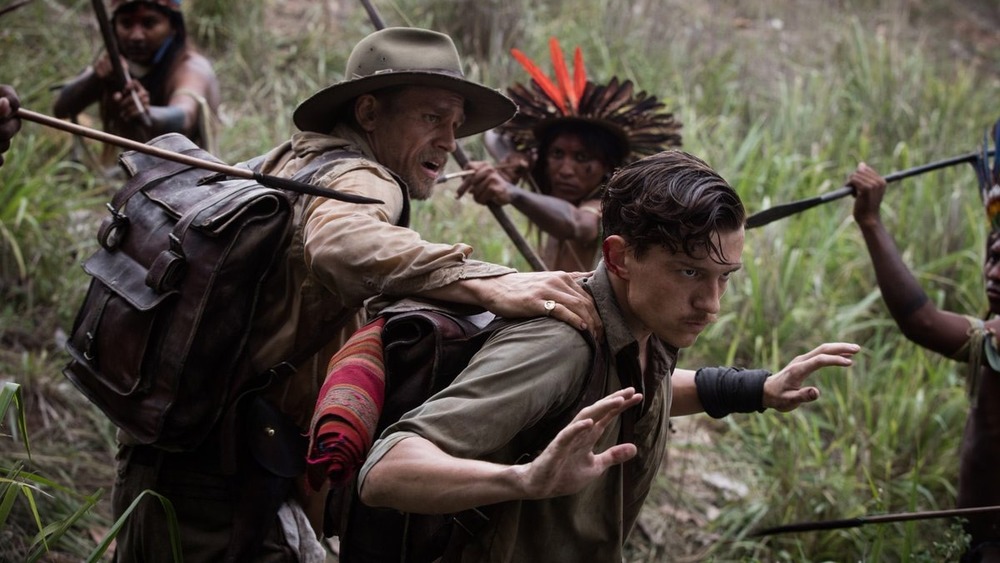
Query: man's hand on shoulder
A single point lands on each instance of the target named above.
(536, 294)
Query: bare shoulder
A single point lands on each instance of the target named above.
(195, 62)
(195, 74)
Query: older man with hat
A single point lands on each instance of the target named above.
(171, 87)
(385, 132)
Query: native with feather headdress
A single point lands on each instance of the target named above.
(569, 135)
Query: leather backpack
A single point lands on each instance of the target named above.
(159, 342)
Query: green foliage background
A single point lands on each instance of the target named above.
(782, 97)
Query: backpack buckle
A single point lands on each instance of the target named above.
(168, 269)
(112, 230)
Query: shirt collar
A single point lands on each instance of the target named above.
(616, 331)
(342, 137)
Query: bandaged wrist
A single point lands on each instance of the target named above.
(725, 390)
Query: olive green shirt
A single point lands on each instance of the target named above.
(523, 376)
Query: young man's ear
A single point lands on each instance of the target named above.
(365, 111)
(615, 251)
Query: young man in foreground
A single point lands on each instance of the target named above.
(673, 237)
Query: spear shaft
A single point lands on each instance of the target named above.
(117, 69)
(234, 171)
(498, 213)
(13, 6)
(876, 519)
(784, 210)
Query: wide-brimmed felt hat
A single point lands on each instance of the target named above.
(405, 56)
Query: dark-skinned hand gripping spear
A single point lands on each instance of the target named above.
(498, 213)
(784, 210)
(118, 71)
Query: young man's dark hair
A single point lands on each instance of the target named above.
(689, 206)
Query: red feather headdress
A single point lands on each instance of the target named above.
(637, 119)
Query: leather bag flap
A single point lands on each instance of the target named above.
(125, 277)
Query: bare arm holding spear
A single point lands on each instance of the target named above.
(173, 87)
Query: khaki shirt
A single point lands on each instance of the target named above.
(342, 254)
(522, 377)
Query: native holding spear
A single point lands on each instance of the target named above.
(961, 337)
(149, 81)
(570, 134)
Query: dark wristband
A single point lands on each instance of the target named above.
(725, 390)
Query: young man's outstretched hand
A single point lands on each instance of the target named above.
(783, 391)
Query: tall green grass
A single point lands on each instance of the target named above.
(783, 98)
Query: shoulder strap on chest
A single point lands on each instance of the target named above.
(319, 165)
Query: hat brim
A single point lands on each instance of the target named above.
(485, 108)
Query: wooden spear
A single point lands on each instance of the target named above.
(236, 172)
(876, 519)
(13, 6)
(784, 210)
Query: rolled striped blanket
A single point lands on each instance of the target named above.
(348, 408)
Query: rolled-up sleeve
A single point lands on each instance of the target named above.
(357, 250)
